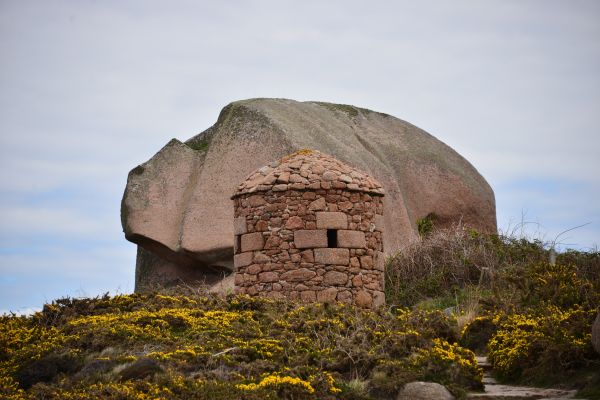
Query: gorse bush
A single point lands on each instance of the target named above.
(543, 344)
(178, 347)
(540, 283)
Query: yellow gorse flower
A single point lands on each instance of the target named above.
(277, 381)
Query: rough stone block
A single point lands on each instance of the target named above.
(304, 239)
(366, 262)
(294, 222)
(318, 204)
(332, 220)
(307, 256)
(253, 269)
(261, 258)
(352, 239)
(236, 244)
(242, 259)
(267, 277)
(252, 241)
(308, 295)
(332, 256)
(261, 226)
(345, 296)
(335, 278)
(239, 226)
(238, 279)
(256, 200)
(327, 295)
(298, 275)
(363, 299)
(378, 299)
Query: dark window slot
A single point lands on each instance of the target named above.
(238, 243)
(332, 238)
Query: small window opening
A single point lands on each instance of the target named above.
(332, 238)
(238, 243)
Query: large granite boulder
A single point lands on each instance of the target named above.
(177, 205)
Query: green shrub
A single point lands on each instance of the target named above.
(476, 335)
(426, 225)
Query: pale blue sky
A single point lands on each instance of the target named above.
(90, 89)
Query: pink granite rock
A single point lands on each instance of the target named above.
(176, 206)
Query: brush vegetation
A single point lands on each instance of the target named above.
(530, 314)
(450, 295)
(179, 347)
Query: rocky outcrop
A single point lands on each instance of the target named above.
(176, 206)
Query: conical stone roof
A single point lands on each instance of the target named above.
(308, 169)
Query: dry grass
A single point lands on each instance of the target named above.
(439, 264)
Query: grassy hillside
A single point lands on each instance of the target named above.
(453, 291)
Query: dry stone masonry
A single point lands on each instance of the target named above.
(309, 227)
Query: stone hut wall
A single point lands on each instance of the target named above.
(314, 245)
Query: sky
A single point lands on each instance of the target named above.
(90, 89)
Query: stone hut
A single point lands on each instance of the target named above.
(309, 227)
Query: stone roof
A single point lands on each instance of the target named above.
(308, 170)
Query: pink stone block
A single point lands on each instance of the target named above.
(352, 239)
(310, 238)
(327, 295)
(294, 222)
(252, 241)
(363, 299)
(378, 299)
(298, 275)
(242, 259)
(239, 226)
(332, 256)
(267, 277)
(332, 220)
(335, 278)
(366, 262)
(308, 295)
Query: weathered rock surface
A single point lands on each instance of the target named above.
(176, 206)
(424, 391)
